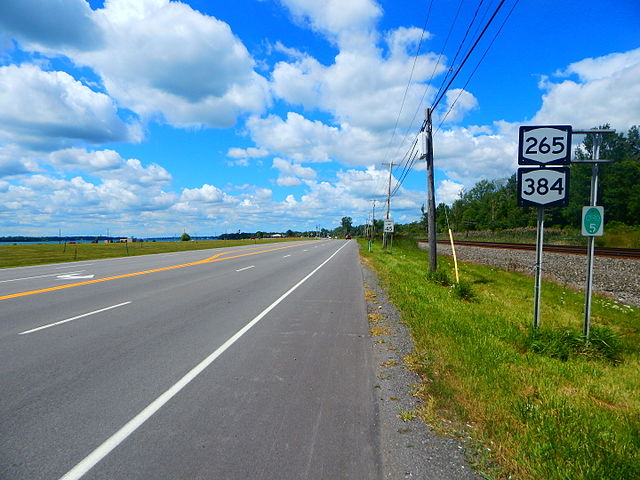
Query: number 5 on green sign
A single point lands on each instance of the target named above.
(592, 221)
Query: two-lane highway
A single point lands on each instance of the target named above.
(226, 363)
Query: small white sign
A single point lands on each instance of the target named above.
(544, 145)
(388, 226)
(592, 221)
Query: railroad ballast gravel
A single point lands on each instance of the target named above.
(615, 277)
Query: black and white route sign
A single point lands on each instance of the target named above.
(544, 145)
(543, 187)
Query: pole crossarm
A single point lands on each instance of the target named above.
(593, 130)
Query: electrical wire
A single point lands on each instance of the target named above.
(424, 94)
(464, 39)
(411, 155)
(475, 44)
(406, 90)
(413, 67)
(477, 65)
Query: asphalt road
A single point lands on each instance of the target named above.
(248, 363)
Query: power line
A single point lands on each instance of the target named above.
(478, 65)
(411, 155)
(406, 90)
(464, 39)
(424, 94)
(413, 67)
(439, 98)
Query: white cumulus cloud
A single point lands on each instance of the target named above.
(607, 91)
(46, 110)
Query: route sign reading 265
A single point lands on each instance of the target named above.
(544, 145)
(543, 187)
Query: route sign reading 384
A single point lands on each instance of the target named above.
(544, 145)
(543, 187)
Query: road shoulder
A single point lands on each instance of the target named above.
(409, 449)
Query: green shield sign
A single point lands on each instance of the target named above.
(592, 221)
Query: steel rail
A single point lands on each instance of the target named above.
(632, 253)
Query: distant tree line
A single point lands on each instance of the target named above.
(492, 204)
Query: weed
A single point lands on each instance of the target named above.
(439, 277)
(377, 331)
(390, 363)
(463, 291)
(407, 415)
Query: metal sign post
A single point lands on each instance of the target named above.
(588, 224)
(538, 267)
(389, 228)
(542, 186)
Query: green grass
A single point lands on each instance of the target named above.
(543, 406)
(620, 236)
(23, 255)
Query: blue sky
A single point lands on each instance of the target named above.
(150, 117)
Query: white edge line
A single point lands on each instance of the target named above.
(245, 268)
(132, 425)
(73, 318)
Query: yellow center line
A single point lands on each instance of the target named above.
(212, 259)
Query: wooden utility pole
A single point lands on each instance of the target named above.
(384, 235)
(373, 220)
(431, 197)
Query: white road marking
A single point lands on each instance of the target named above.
(73, 318)
(286, 256)
(305, 250)
(67, 266)
(40, 276)
(132, 425)
(245, 268)
(73, 276)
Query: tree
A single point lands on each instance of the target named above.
(185, 237)
(347, 224)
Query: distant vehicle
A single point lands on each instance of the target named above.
(348, 237)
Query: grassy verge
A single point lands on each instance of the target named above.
(545, 406)
(23, 255)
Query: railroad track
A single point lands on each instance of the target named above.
(571, 249)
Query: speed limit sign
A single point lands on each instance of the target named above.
(544, 145)
(543, 187)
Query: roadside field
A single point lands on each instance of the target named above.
(543, 406)
(38, 254)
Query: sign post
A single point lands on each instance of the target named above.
(542, 186)
(592, 219)
(389, 228)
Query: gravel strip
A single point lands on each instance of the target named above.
(615, 277)
(409, 449)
